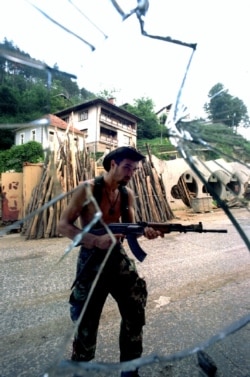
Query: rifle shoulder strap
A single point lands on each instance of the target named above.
(97, 192)
(124, 204)
(98, 185)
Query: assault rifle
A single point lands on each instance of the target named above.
(133, 230)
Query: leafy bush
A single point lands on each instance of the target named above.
(13, 158)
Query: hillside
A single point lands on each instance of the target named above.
(210, 141)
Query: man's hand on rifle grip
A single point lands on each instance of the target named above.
(104, 242)
(151, 233)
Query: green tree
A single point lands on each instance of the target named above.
(8, 101)
(107, 94)
(86, 95)
(7, 138)
(149, 127)
(13, 158)
(227, 143)
(25, 93)
(34, 102)
(225, 108)
(70, 86)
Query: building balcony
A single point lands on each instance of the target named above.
(117, 124)
(108, 140)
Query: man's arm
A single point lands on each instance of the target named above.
(131, 205)
(72, 212)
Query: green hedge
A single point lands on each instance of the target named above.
(13, 158)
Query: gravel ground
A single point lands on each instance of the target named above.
(198, 284)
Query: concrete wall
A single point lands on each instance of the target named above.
(171, 172)
(12, 201)
(226, 179)
(16, 191)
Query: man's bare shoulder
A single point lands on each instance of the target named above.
(89, 182)
(84, 186)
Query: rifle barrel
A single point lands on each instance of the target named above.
(214, 231)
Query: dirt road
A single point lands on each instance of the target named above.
(198, 284)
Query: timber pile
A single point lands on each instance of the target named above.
(184, 193)
(62, 174)
(150, 194)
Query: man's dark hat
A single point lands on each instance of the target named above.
(122, 153)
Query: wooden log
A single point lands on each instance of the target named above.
(184, 192)
(161, 202)
(48, 229)
(151, 187)
(140, 213)
(153, 213)
(30, 209)
(169, 211)
(40, 200)
(143, 187)
(49, 213)
(158, 205)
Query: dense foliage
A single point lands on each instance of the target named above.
(222, 141)
(224, 108)
(149, 127)
(27, 93)
(13, 158)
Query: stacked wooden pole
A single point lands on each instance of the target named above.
(150, 194)
(184, 193)
(62, 173)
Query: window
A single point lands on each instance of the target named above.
(126, 140)
(51, 136)
(33, 135)
(83, 115)
(66, 119)
(21, 138)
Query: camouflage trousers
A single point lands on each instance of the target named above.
(120, 279)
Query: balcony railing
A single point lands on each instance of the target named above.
(108, 140)
(117, 123)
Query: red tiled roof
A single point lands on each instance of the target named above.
(59, 123)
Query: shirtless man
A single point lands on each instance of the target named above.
(119, 277)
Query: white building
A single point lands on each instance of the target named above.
(50, 131)
(104, 125)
